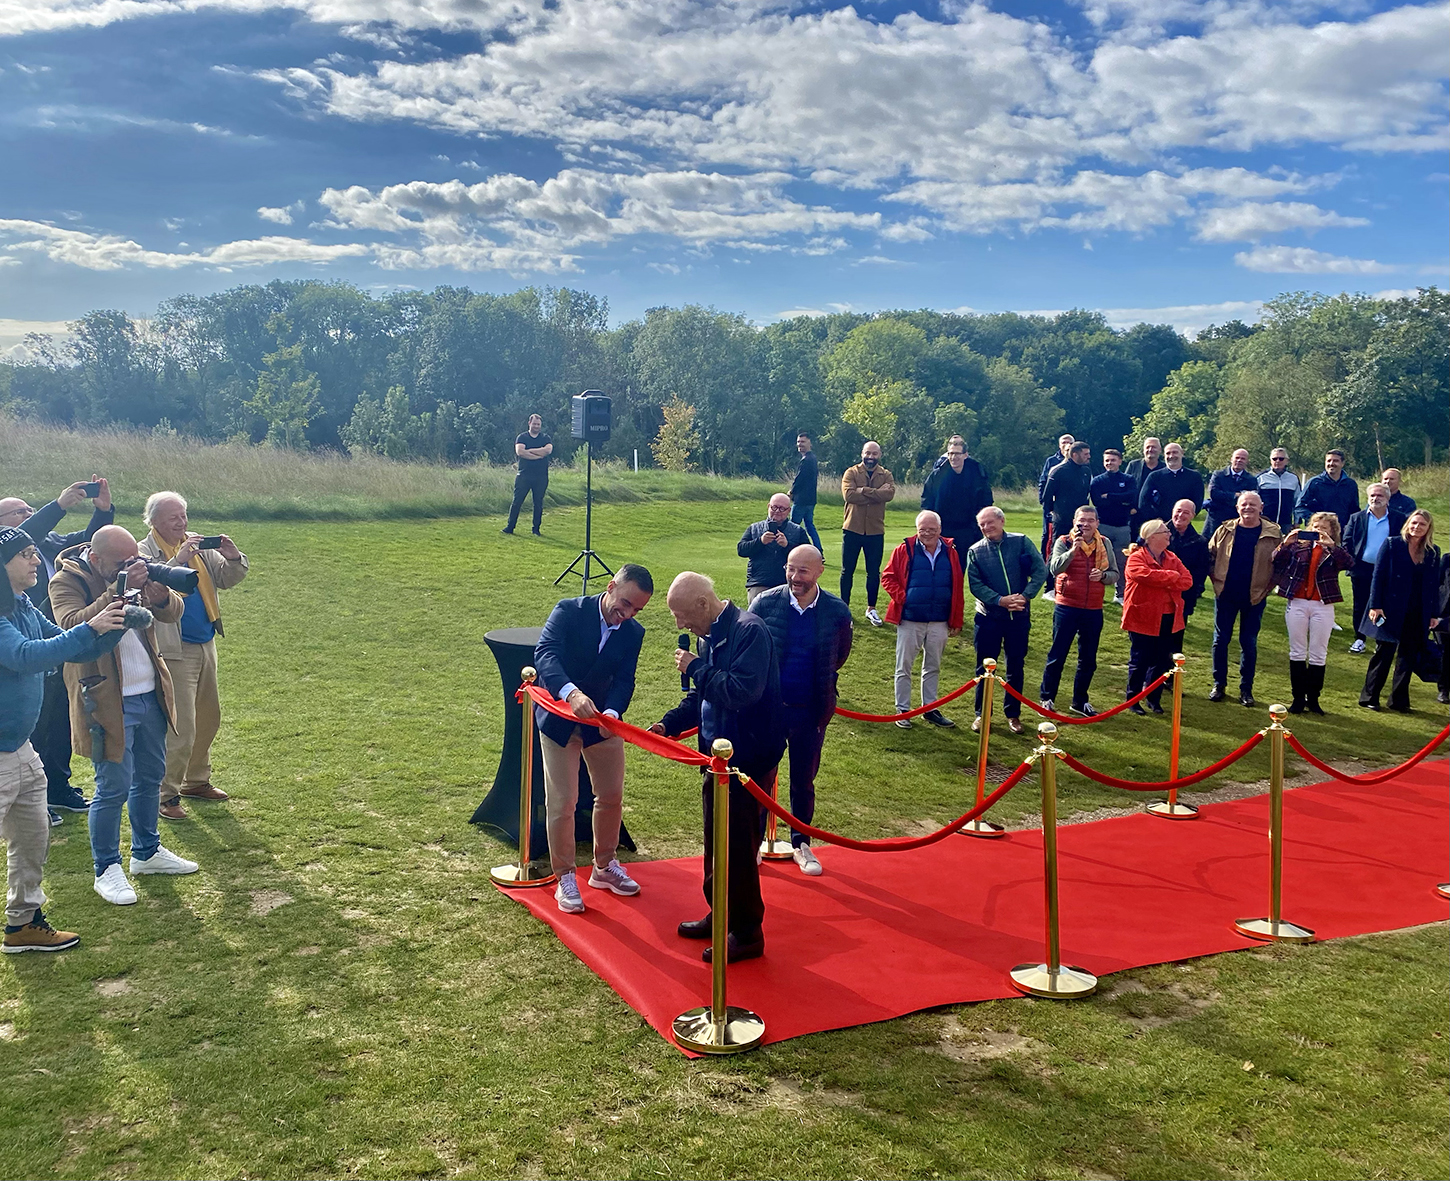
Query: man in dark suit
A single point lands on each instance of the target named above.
(51, 739)
(586, 657)
(1364, 537)
(734, 694)
(1172, 482)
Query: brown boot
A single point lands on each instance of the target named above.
(204, 791)
(172, 810)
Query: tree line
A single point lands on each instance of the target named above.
(451, 375)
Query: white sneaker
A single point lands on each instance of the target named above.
(1357, 647)
(803, 857)
(1049, 596)
(1049, 704)
(567, 895)
(162, 861)
(873, 616)
(114, 888)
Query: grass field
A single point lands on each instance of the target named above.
(340, 992)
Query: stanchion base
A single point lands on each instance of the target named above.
(1272, 932)
(776, 850)
(1064, 984)
(1172, 811)
(1443, 889)
(742, 1030)
(982, 828)
(512, 877)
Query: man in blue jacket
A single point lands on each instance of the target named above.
(1005, 573)
(804, 490)
(31, 645)
(1331, 491)
(1224, 487)
(586, 657)
(1172, 482)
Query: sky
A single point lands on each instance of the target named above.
(1178, 161)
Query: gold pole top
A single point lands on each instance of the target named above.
(1277, 713)
(990, 665)
(722, 748)
(530, 675)
(1179, 659)
(1047, 731)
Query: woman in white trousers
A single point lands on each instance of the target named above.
(1307, 565)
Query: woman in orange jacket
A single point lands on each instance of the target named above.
(1153, 584)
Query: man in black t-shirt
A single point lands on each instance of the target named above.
(533, 448)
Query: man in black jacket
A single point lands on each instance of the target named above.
(1064, 444)
(765, 545)
(1191, 548)
(1140, 470)
(1168, 485)
(1068, 488)
(805, 488)
(734, 694)
(812, 632)
(51, 739)
(586, 657)
(1224, 487)
(1114, 494)
(1364, 537)
(957, 490)
(1331, 491)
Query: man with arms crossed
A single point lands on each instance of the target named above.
(586, 657)
(533, 449)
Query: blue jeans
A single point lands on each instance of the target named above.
(1225, 611)
(135, 782)
(805, 516)
(1069, 623)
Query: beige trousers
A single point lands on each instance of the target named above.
(605, 761)
(198, 717)
(26, 826)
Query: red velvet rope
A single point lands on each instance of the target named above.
(1374, 778)
(1186, 781)
(1107, 713)
(911, 713)
(886, 844)
(657, 744)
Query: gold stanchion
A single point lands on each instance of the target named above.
(718, 1028)
(1171, 809)
(772, 848)
(980, 827)
(1443, 889)
(1274, 928)
(1054, 979)
(525, 875)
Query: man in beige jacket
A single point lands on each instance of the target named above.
(189, 647)
(866, 489)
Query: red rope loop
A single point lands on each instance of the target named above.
(1376, 777)
(1101, 717)
(887, 844)
(658, 744)
(1185, 781)
(911, 713)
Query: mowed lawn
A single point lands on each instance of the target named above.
(341, 992)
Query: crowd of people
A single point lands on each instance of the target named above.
(107, 650)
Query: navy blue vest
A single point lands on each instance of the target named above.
(928, 587)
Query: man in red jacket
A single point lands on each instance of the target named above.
(924, 584)
(1083, 564)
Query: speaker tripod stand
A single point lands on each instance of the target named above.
(587, 554)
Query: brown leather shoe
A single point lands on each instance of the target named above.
(204, 791)
(172, 809)
(1015, 725)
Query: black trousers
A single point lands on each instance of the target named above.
(1046, 546)
(852, 546)
(1359, 579)
(804, 738)
(991, 633)
(1150, 656)
(1402, 656)
(747, 908)
(523, 485)
(52, 737)
(1069, 623)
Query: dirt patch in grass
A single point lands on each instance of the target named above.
(117, 987)
(981, 1045)
(7, 1031)
(1150, 1008)
(266, 901)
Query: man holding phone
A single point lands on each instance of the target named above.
(51, 740)
(189, 646)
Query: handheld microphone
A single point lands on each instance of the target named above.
(684, 646)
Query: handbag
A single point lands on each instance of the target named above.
(1430, 660)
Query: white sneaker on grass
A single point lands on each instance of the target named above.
(1049, 704)
(567, 895)
(612, 877)
(114, 888)
(162, 861)
(874, 617)
(1357, 647)
(803, 857)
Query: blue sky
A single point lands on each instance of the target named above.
(1174, 160)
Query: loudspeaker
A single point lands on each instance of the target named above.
(591, 414)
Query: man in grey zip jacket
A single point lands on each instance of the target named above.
(1005, 571)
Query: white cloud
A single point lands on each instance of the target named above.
(13, 333)
(1254, 220)
(1300, 260)
(281, 214)
(1189, 319)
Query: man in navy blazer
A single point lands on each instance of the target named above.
(586, 657)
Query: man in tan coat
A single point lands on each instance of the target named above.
(189, 647)
(866, 489)
(1242, 552)
(121, 707)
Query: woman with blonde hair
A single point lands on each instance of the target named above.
(1306, 572)
(1403, 606)
(1153, 584)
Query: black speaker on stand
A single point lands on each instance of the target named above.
(590, 420)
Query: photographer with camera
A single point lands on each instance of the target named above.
(121, 703)
(52, 732)
(189, 648)
(31, 646)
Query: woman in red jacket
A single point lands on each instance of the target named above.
(1153, 584)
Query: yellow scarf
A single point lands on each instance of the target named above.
(1098, 550)
(204, 584)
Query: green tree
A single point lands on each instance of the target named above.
(286, 397)
(1184, 411)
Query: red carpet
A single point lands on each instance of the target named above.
(882, 935)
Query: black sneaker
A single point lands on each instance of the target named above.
(71, 800)
(508, 531)
(1216, 693)
(56, 819)
(1247, 700)
(937, 718)
(1139, 710)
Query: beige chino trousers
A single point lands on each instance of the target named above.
(605, 761)
(25, 823)
(198, 718)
